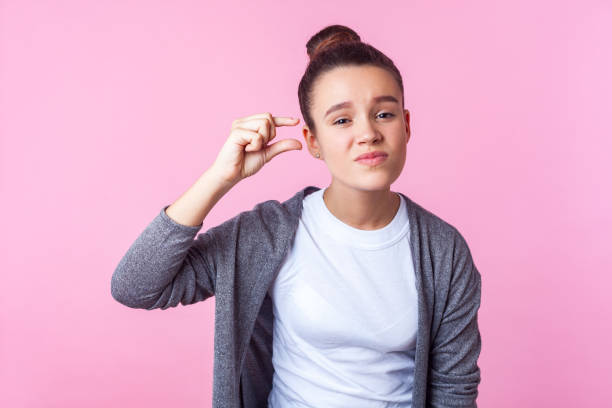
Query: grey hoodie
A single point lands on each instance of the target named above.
(237, 261)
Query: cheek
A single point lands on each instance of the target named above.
(339, 155)
(339, 145)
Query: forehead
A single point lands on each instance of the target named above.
(358, 84)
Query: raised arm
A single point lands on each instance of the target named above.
(165, 266)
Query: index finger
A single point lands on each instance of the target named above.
(285, 121)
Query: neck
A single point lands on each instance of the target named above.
(361, 209)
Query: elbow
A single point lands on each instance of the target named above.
(122, 293)
(118, 290)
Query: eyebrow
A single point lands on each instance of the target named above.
(383, 98)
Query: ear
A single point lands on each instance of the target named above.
(407, 117)
(311, 141)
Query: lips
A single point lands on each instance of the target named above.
(371, 155)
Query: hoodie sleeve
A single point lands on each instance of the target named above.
(454, 372)
(165, 266)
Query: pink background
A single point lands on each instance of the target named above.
(111, 109)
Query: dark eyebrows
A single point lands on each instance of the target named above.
(383, 98)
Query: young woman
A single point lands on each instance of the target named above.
(347, 296)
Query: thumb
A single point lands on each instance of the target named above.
(282, 146)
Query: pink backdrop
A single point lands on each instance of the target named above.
(110, 110)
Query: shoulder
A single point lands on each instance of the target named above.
(444, 243)
(267, 217)
(446, 248)
(288, 211)
(433, 227)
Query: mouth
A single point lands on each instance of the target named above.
(372, 158)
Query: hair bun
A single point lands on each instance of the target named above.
(330, 37)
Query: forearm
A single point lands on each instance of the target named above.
(192, 207)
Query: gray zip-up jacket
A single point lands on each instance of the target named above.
(237, 261)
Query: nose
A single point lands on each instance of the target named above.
(369, 134)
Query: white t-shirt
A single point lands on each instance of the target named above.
(345, 314)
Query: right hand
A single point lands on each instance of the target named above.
(245, 151)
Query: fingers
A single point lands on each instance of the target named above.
(264, 132)
(262, 128)
(245, 137)
(285, 121)
(282, 146)
(250, 122)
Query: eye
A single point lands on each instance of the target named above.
(339, 121)
(382, 113)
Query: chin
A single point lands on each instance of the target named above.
(368, 180)
(374, 183)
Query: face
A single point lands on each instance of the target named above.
(362, 123)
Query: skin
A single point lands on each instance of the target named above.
(362, 128)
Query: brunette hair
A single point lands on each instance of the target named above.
(335, 46)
